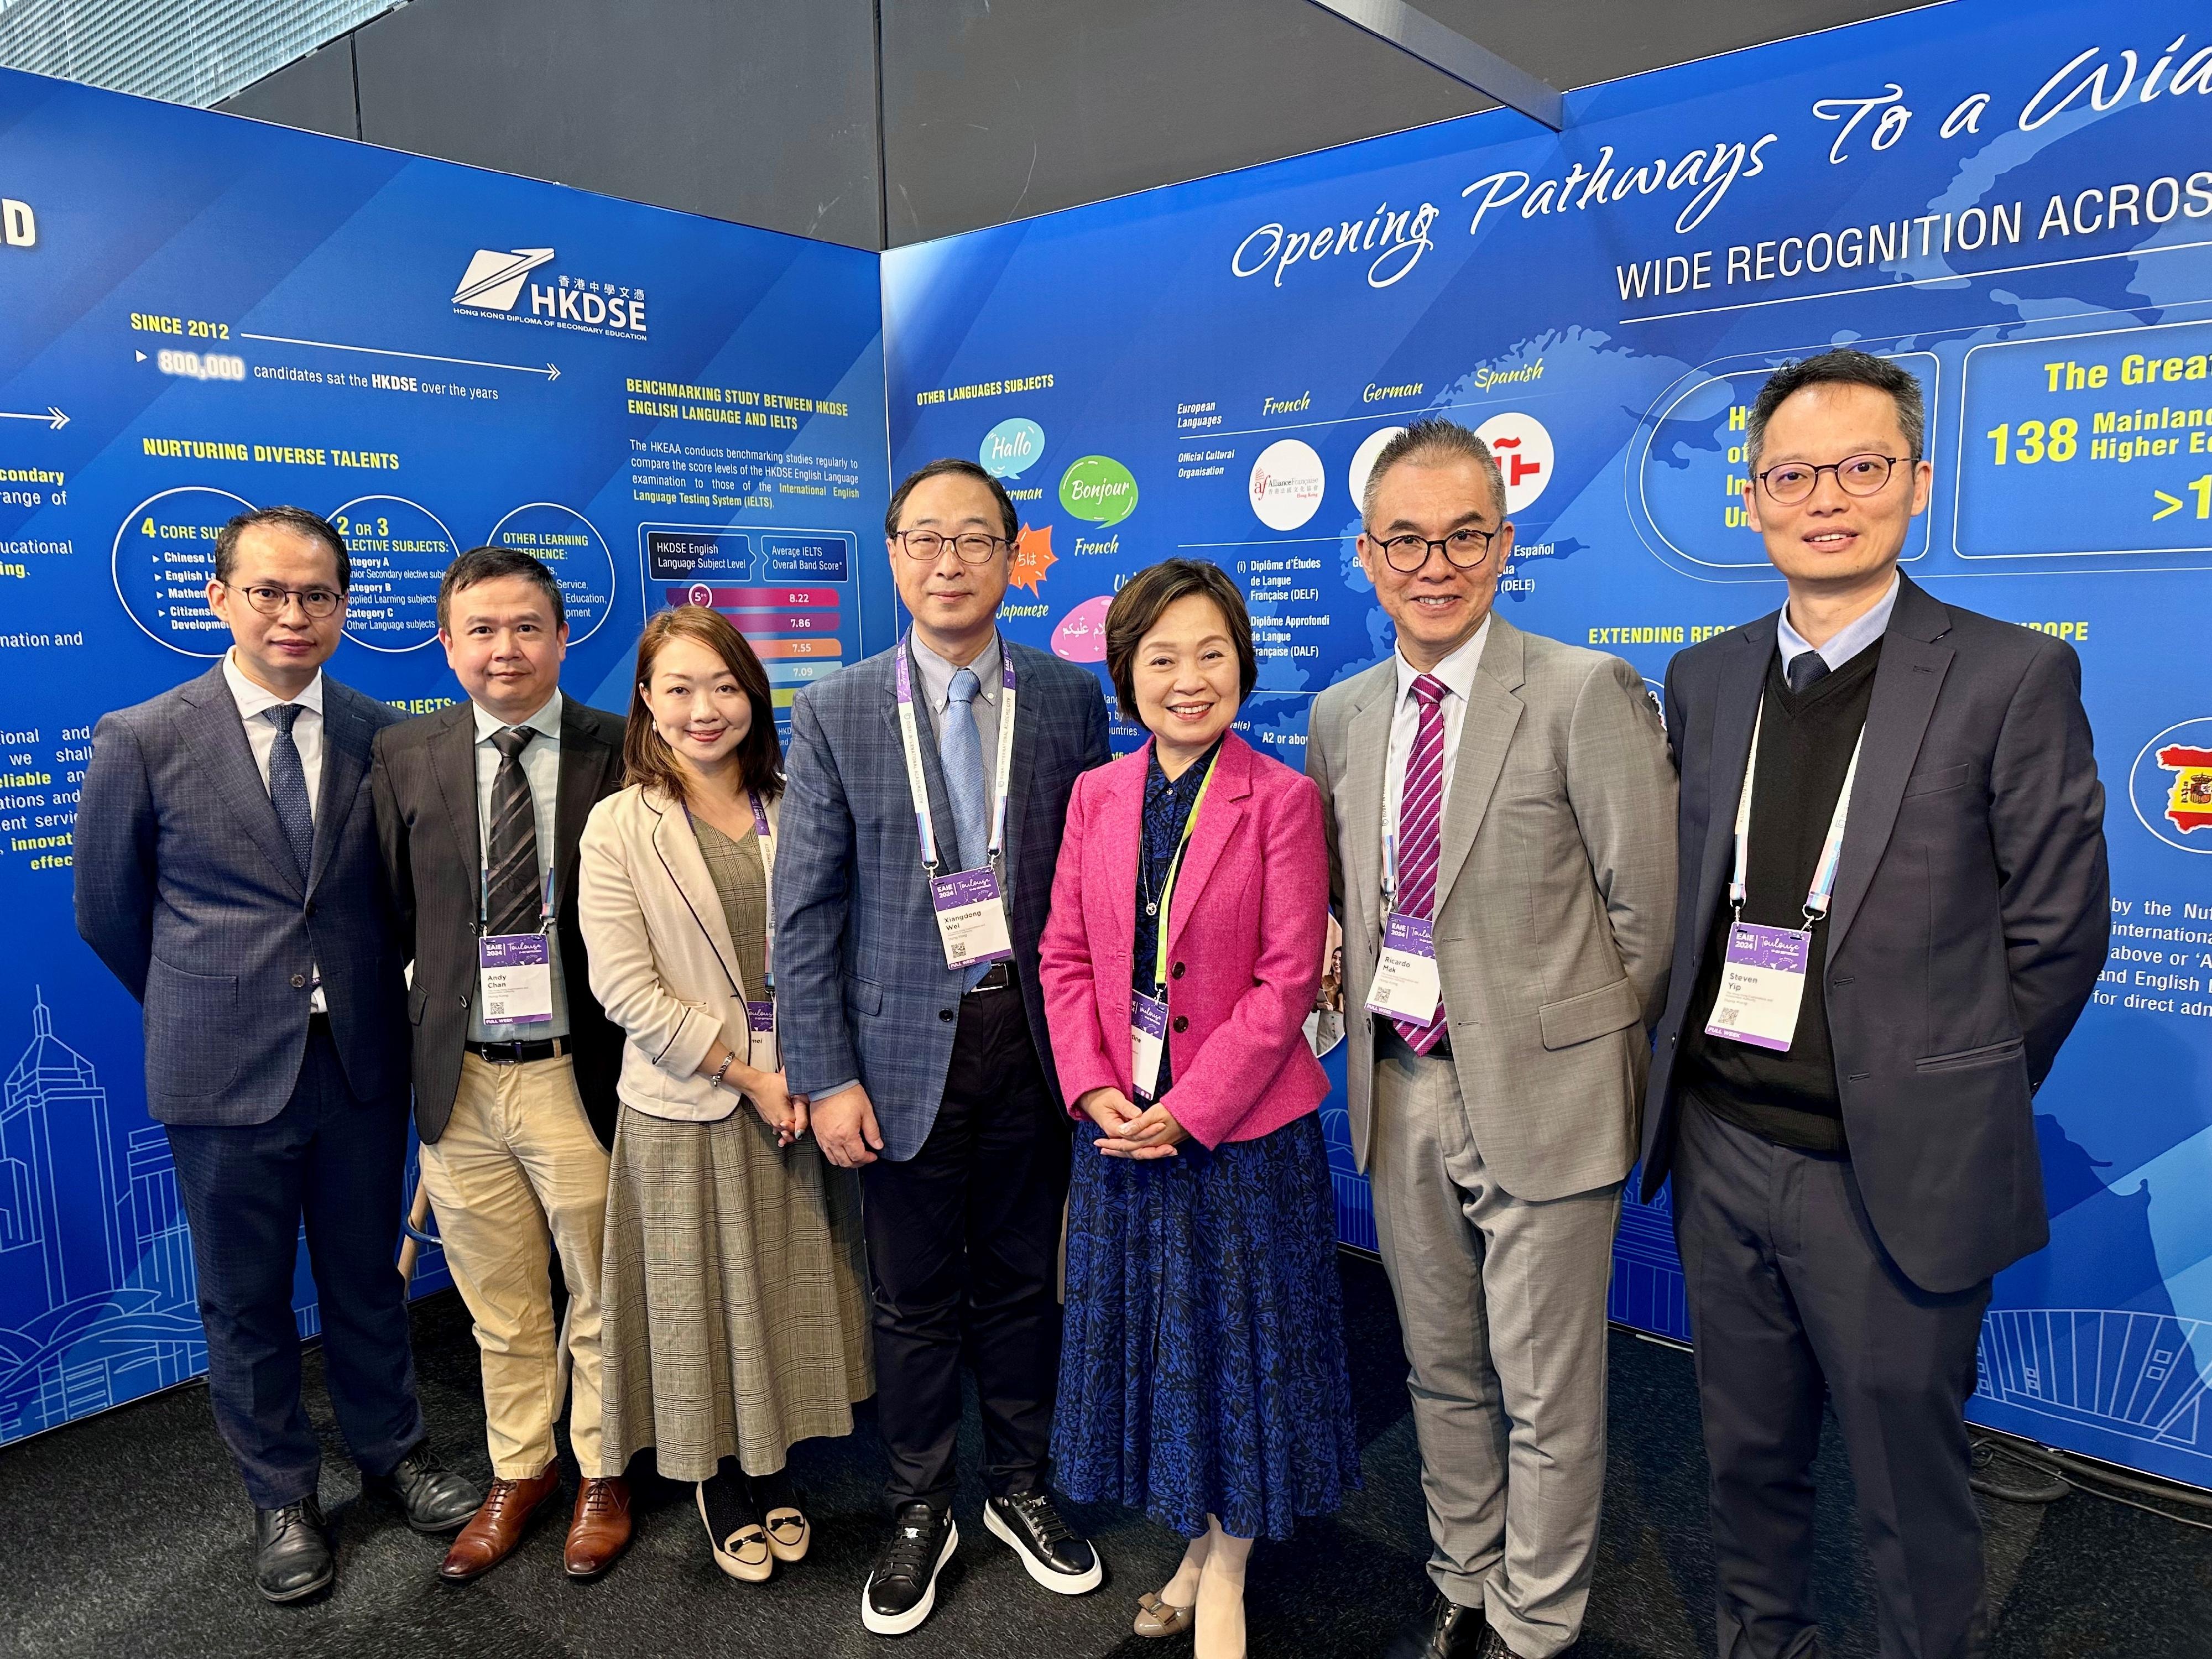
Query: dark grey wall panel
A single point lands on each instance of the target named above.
(997, 109)
(315, 92)
(765, 111)
(760, 110)
(1579, 43)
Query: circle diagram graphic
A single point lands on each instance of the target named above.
(399, 550)
(163, 560)
(1362, 463)
(1523, 449)
(575, 552)
(1288, 484)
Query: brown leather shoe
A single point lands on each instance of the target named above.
(494, 1530)
(599, 1529)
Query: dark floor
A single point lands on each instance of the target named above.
(127, 1536)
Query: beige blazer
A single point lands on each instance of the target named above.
(1555, 900)
(663, 965)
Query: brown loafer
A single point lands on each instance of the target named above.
(598, 1531)
(498, 1527)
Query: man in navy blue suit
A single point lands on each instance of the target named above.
(1893, 907)
(920, 1041)
(227, 872)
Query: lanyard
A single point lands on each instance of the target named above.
(766, 835)
(1164, 906)
(918, 783)
(1832, 850)
(483, 902)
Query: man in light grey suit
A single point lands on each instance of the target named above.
(1502, 809)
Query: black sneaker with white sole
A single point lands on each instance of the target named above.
(902, 1589)
(1027, 1523)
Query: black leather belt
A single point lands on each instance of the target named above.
(517, 1053)
(1000, 978)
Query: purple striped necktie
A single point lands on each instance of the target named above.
(1420, 815)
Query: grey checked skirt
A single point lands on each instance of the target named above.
(735, 1295)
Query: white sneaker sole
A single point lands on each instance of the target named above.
(1060, 1583)
(885, 1624)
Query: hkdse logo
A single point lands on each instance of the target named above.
(2171, 785)
(497, 279)
(493, 281)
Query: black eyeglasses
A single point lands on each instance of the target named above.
(1464, 548)
(1856, 475)
(318, 603)
(973, 546)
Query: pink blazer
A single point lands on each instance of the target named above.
(1246, 929)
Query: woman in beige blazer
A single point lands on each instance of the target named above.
(735, 1304)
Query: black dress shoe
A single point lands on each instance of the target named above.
(292, 1551)
(433, 1497)
(1027, 1523)
(1446, 1630)
(902, 1588)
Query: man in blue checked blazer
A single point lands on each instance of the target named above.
(932, 1080)
(227, 872)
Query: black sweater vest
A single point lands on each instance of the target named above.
(1805, 744)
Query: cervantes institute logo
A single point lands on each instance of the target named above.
(2171, 785)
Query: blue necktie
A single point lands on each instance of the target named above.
(287, 787)
(963, 781)
(1806, 667)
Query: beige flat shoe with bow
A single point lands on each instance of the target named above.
(788, 1534)
(1157, 1617)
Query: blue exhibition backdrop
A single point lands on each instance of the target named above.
(2013, 200)
(199, 312)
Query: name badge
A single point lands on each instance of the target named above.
(1406, 986)
(514, 974)
(760, 1037)
(1148, 1039)
(1762, 985)
(972, 918)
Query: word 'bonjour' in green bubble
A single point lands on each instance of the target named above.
(1098, 488)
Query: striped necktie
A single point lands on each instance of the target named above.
(510, 903)
(1420, 815)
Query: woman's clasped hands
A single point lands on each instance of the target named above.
(1131, 1131)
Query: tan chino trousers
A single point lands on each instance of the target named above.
(518, 1174)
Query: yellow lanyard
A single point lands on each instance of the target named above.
(1175, 869)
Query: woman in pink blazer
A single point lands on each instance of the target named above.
(1202, 1370)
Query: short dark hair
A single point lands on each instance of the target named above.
(1430, 443)
(297, 520)
(647, 758)
(1843, 366)
(952, 463)
(489, 564)
(1136, 610)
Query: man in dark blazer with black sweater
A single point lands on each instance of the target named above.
(479, 809)
(1857, 1025)
(227, 873)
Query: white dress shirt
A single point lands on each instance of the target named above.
(254, 701)
(1847, 642)
(541, 766)
(1457, 673)
(936, 674)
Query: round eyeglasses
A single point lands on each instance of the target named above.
(973, 546)
(318, 603)
(1464, 548)
(1856, 475)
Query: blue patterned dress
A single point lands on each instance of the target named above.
(1203, 1369)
